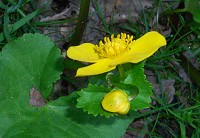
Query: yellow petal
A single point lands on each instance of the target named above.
(84, 52)
(97, 68)
(142, 48)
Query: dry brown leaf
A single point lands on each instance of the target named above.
(36, 98)
(139, 129)
(167, 88)
(181, 71)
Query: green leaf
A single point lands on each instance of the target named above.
(62, 119)
(193, 6)
(33, 60)
(30, 60)
(135, 76)
(90, 100)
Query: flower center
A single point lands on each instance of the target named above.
(114, 46)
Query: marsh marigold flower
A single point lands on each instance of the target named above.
(114, 51)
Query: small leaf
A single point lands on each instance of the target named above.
(135, 76)
(90, 100)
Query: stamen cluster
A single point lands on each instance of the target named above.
(114, 46)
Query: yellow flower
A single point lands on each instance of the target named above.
(114, 51)
(116, 101)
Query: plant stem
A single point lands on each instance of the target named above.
(80, 26)
(121, 72)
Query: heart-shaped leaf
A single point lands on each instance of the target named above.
(30, 61)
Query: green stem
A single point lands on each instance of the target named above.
(121, 72)
(80, 26)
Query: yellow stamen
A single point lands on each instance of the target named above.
(114, 46)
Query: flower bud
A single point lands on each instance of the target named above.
(116, 101)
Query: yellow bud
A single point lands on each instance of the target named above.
(116, 101)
